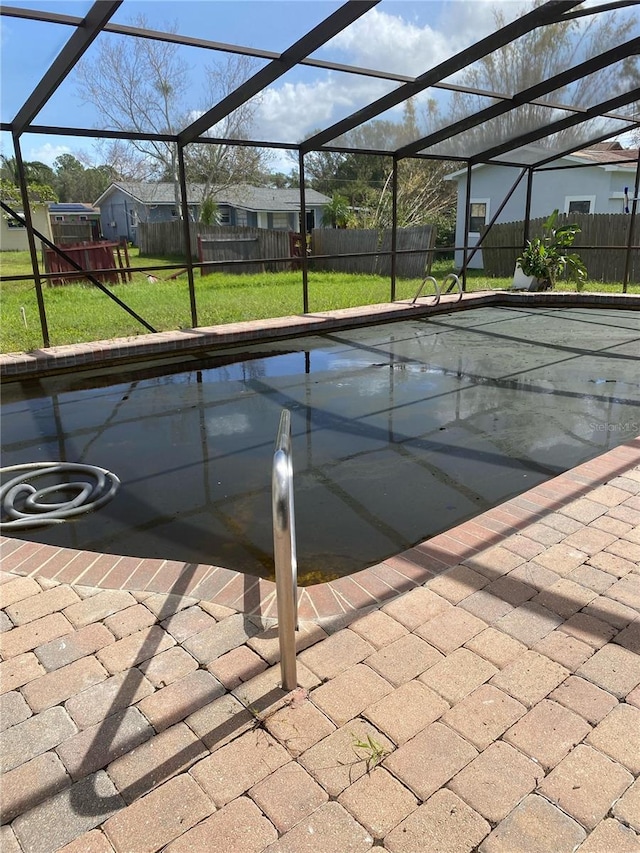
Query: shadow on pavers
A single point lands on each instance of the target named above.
(85, 795)
(88, 801)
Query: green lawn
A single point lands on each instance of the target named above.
(80, 313)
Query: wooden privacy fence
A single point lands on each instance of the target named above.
(229, 249)
(167, 238)
(330, 241)
(598, 231)
(408, 266)
(345, 241)
(234, 243)
(71, 232)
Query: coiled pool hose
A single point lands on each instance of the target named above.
(38, 512)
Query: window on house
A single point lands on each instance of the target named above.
(59, 218)
(224, 217)
(584, 204)
(281, 221)
(241, 217)
(478, 216)
(82, 218)
(133, 218)
(15, 223)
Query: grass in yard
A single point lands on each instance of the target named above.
(80, 313)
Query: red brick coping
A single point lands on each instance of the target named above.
(103, 353)
(338, 598)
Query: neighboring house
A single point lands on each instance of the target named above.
(74, 219)
(13, 234)
(124, 205)
(598, 188)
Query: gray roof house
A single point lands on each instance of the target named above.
(597, 187)
(123, 205)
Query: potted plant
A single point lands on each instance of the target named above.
(546, 258)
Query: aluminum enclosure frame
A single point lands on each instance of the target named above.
(98, 19)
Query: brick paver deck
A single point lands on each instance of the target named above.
(480, 692)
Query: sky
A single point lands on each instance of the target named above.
(396, 35)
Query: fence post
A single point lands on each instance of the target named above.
(284, 549)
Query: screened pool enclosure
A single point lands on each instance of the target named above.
(423, 98)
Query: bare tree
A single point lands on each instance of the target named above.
(127, 162)
(423, 195)
(534, 58)
(140, 85)
(219, 166)
(365, 179)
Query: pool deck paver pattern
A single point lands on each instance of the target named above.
(480, 692)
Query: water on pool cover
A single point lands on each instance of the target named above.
(400, 431)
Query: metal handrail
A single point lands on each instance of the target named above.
(284, 551)
(455, 283)
(422, 284)
(438, 288)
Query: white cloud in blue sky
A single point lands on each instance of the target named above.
(45, 152)
(397, 36)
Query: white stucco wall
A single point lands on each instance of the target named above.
(550, 190)
(15, 239)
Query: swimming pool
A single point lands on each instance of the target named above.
(399, 432)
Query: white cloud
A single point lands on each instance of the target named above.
(428, 34)
(468, 21)
(289, 112)
(46, 153)
(390, 43)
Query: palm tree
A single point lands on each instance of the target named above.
(336, 213)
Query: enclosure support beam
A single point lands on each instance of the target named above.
(394, 225)
(632, 221)
(494, 218)
(303, 236)
(243, 50)
(82, 38)
(467, 222)
(86, 273)
(186, 230)
(33, 251)
(527, 207)
(533, 94)
(310, 42)
(547, 13)
(557, 126)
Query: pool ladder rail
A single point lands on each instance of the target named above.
(284, 551)
(439, 288)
